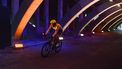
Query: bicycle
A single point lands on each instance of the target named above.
(51, 47)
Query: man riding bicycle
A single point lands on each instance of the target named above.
(57, 28)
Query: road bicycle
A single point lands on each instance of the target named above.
(51, 46)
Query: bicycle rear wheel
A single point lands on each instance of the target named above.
(45, 50)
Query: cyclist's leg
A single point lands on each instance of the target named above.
(56, 38)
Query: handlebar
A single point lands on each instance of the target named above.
(48, 37)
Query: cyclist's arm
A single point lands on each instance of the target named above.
(48, 29)
(56, 31)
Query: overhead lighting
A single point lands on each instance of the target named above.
(119, 5)
(102, 31)
(30, 23)
(108, 30)
(93, 32)
(81, 34)
(95, 17)
(85, 15)
(77, 16)
(110, 0)
(34, 25)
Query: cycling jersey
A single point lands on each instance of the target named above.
(58, 26)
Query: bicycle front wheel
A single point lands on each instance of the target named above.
(45, 50)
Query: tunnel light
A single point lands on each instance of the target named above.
(93, 32)
(19, 46)
(86, 15)
(102, 31)
(81, 34)
(108, 30)
(34, 25)
(119, 5)
(110, 0)
(114, 29)
(30, 23)
(95, 17)
(77, 16)
(61, 38)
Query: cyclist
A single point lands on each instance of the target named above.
(57, 30)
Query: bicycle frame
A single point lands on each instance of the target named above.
(51, 47)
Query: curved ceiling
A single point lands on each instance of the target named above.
(95, 27)
(95, 17)
(81, 11)
(35, 4)
(114, 23)
(111, 21)
(26, 17)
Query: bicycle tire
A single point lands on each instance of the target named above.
(58, 48)
(45, 50)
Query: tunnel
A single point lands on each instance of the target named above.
(91, 31)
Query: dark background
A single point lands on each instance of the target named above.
(5, 32)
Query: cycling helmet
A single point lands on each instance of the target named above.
(53, 21)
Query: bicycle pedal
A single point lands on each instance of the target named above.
(57, 45)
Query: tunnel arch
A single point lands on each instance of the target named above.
(19, 31)
(98, 24)
(110, 21)
(81, 11)
(18, 26)
(114, 23)
(94, 18)
(117, 24)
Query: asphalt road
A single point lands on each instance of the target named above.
(88, 52)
